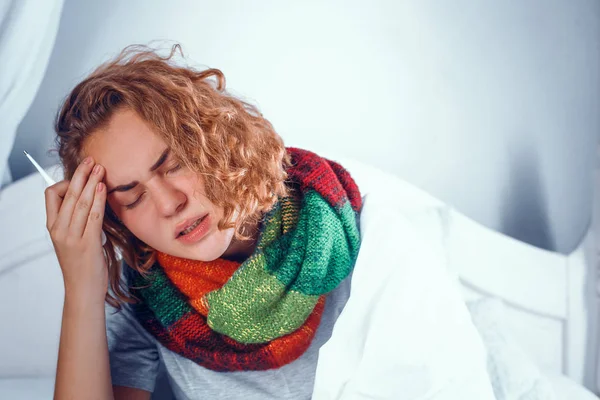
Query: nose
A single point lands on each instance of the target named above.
(169, 199)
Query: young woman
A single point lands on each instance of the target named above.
(237, 251)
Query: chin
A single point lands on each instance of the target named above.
(210, 250)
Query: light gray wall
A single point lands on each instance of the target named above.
(493, 106)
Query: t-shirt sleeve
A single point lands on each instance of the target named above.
(134, 359)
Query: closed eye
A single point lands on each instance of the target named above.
(139, 199)
(135, 203)
(175, 168)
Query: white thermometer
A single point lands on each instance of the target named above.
(51, 182)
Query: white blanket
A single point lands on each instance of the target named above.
(405, 332)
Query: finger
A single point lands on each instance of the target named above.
(96, 216)
(72, 194)
(54, 197)
(84, 204)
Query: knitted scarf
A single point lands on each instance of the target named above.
(262, 313)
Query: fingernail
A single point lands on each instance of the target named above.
(87, 160)
(97, 169)
(99, 187)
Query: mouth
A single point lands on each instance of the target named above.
(194, 229)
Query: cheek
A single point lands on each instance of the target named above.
(117, 209)
(221, 240)
(127, 218)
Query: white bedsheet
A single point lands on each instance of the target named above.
(566, 389)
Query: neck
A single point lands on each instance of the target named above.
(240, 250)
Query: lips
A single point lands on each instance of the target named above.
(186, 224)
(197, 233)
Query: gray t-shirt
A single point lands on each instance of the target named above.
(136, 359)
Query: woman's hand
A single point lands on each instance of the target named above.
(74, 215)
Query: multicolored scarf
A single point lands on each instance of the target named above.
(263, 313)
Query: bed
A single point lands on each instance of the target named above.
(555, 324)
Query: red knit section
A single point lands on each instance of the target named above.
(328, 178)
(192, 338)
(349, 185)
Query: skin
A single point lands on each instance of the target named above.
(75, 210)
(166, 196)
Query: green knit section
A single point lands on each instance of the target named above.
(271, 227)
(167, 303)
(304, 251)
(279, 221)
(319, 252)
(248, 315)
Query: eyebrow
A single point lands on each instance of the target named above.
(154, 167)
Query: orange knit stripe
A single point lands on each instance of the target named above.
(196, 279)
(284, 349)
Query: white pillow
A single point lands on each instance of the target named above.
(27, 389)
(31, 284)
(405, 332)
(23, 220)
(565, 388)
(512, 373)
(32, 297)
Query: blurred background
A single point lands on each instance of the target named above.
(491, 106)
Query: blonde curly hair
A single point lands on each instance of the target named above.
(227, 140)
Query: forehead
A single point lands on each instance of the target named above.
(126, 147)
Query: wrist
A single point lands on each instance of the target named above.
(84, 295)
